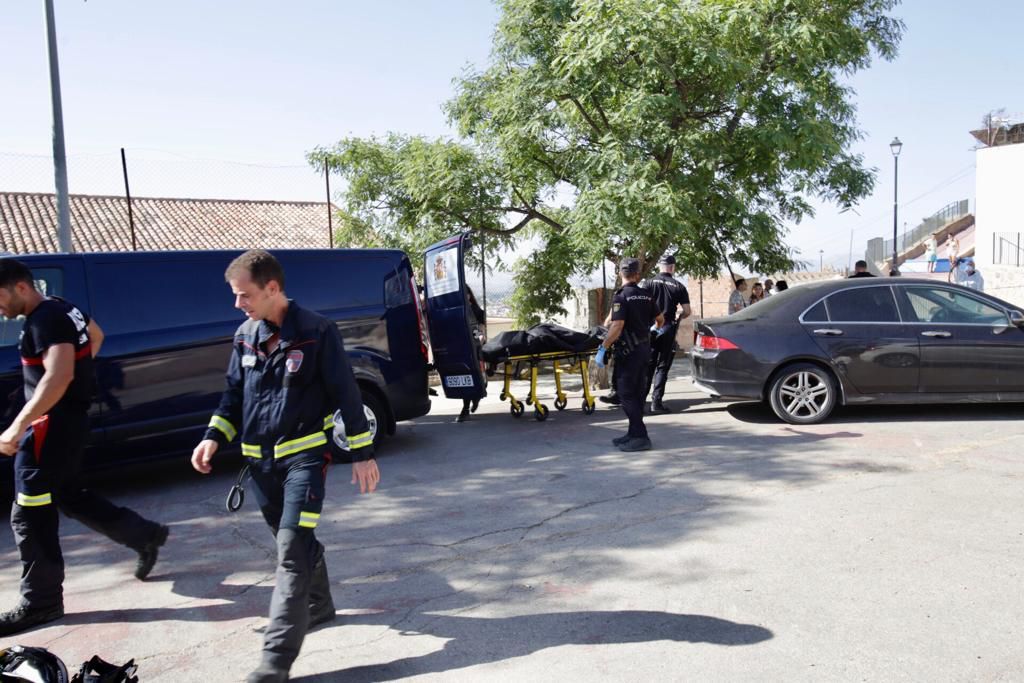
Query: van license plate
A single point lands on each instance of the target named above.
(453, 381)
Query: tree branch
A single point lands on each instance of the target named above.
(583, 113)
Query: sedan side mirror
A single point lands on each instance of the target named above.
(1017, 318)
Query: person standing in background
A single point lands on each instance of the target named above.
(633, 311)
(931, 247)
(736, 301)
(671, 296)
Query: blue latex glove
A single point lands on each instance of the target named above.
(658, 331)
(599, 358)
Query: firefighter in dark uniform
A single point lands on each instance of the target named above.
(633, 311)
(670, 294)
(287, 376)
(47, 439)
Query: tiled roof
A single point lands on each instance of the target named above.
(28, 224)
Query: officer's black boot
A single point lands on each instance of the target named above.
(289, 606)
(321, 604)
(148, 555)
(267, 673)
(24, 616)
(658, 407)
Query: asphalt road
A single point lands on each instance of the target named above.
(884, 545)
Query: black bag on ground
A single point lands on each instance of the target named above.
(98, 671)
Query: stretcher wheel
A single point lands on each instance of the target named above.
(561, 403)
(502, 396)
(540, 412)
(588, 408)
(516, 409)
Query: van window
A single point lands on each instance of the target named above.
(49, 282)
(397, 289)
(157, 290)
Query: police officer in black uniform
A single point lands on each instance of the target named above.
(47, 439)
(287, 376)
(633, 311)
(670, 294)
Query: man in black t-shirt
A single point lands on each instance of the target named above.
(670, 295)
(47, 439)
(633, 311)
(860, 269)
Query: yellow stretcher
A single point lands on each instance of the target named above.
(575, 361)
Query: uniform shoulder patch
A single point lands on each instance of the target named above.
(293, 361)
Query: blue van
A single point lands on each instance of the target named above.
(169, 318)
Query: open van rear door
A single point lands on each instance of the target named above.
(451, 335)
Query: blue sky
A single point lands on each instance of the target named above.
(197, 90)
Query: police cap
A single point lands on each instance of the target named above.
(629, 266)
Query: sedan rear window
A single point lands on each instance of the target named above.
(863, 305)
(816, 313)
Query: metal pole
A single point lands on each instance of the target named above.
(330, 225)
(702, 299)
(483, 279)
(895, 210)
(60, 166)
(604, 288)
(128, 196)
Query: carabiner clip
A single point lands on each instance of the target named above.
(236, 496)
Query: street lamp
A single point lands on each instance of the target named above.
(895, 146)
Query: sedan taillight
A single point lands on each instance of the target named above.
(713, 343)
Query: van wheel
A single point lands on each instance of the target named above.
(803, 394)
(375, 417)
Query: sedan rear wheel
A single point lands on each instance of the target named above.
(803, 393)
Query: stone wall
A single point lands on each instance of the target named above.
(1005, 282)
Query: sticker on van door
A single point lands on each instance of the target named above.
(443, 272)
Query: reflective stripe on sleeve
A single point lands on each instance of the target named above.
(301, 444)
(309, 519)
(360, 440)
(251, 450)
(28, 501)
(224, 427)
(329, 422)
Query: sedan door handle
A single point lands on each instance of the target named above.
(935, 333)
(828, 332)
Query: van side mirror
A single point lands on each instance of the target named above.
(1017, 318)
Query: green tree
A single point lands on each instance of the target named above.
(606, 128)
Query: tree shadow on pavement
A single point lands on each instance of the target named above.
(473, 641)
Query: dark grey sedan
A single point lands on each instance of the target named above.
(893, 340)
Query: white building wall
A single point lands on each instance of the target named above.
(999, 193)
(999, 208)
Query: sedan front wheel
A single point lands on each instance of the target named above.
(803, 394)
